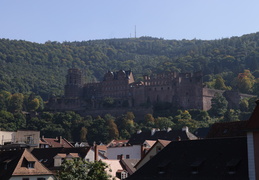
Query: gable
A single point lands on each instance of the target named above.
(23, 167)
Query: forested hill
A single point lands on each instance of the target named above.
(41, 68)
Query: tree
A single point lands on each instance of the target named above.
(163, 123)
(16, 102)
(80, 169)
(230, 115)
(112, 129)
(244, 105)
(34, 104)
(220, 84)
(245, 82)
(83, 133)
(219, 105)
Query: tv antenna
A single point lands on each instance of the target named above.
(135, 31)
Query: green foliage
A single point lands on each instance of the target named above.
(231, 115)
(220, 84)
(218, 105)
(163, 123)
(108, 102)
(79, 169)
(16, 102)
(245, 82)
(41, 68)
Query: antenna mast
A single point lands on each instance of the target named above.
(135, 31)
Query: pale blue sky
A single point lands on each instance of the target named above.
(82, 20)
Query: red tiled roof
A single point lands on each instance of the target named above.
(116, 143)
(15, 164)
(57, 142)
(227, 129)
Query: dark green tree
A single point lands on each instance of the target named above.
(219, 105)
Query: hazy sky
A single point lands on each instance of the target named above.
(82, 20)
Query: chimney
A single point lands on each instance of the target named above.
(95, 152)
(121, 157)
(139, 131)
(185, 128)
(60, 139)
(153, 131)
(142, 151)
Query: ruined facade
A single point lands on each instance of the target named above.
(182, 90)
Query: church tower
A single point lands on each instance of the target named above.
(74, 83)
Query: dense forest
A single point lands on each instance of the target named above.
(31, 72)
(41, 68)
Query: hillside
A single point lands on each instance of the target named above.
(41, 68)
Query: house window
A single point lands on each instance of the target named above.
(124, 175)
(31, 164)
(25, 178)
(158, 149)
(118, 156)
(41, 178)
(127, 156)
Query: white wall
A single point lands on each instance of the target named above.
(7, 136)
(250, 151)
(133, 151)
(90, 155)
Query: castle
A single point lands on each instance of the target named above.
(118, 90)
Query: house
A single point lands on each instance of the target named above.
(53, 157)
(20, 139)
(227, 129)
(227, 154)
(54, 142)
(156, 148)
(129, 165)
(170, 135)
(115, 169)
(21, 164)
(120, 168)
(128, 152)
(224, 159)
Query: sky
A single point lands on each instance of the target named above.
(82, 20)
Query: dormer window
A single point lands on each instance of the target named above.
(31, 164)
(196, 165)
(162, 167)
(232, 166)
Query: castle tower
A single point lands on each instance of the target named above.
(74, 83)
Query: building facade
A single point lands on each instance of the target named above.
(118, 89)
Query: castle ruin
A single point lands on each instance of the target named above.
(182, 90)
